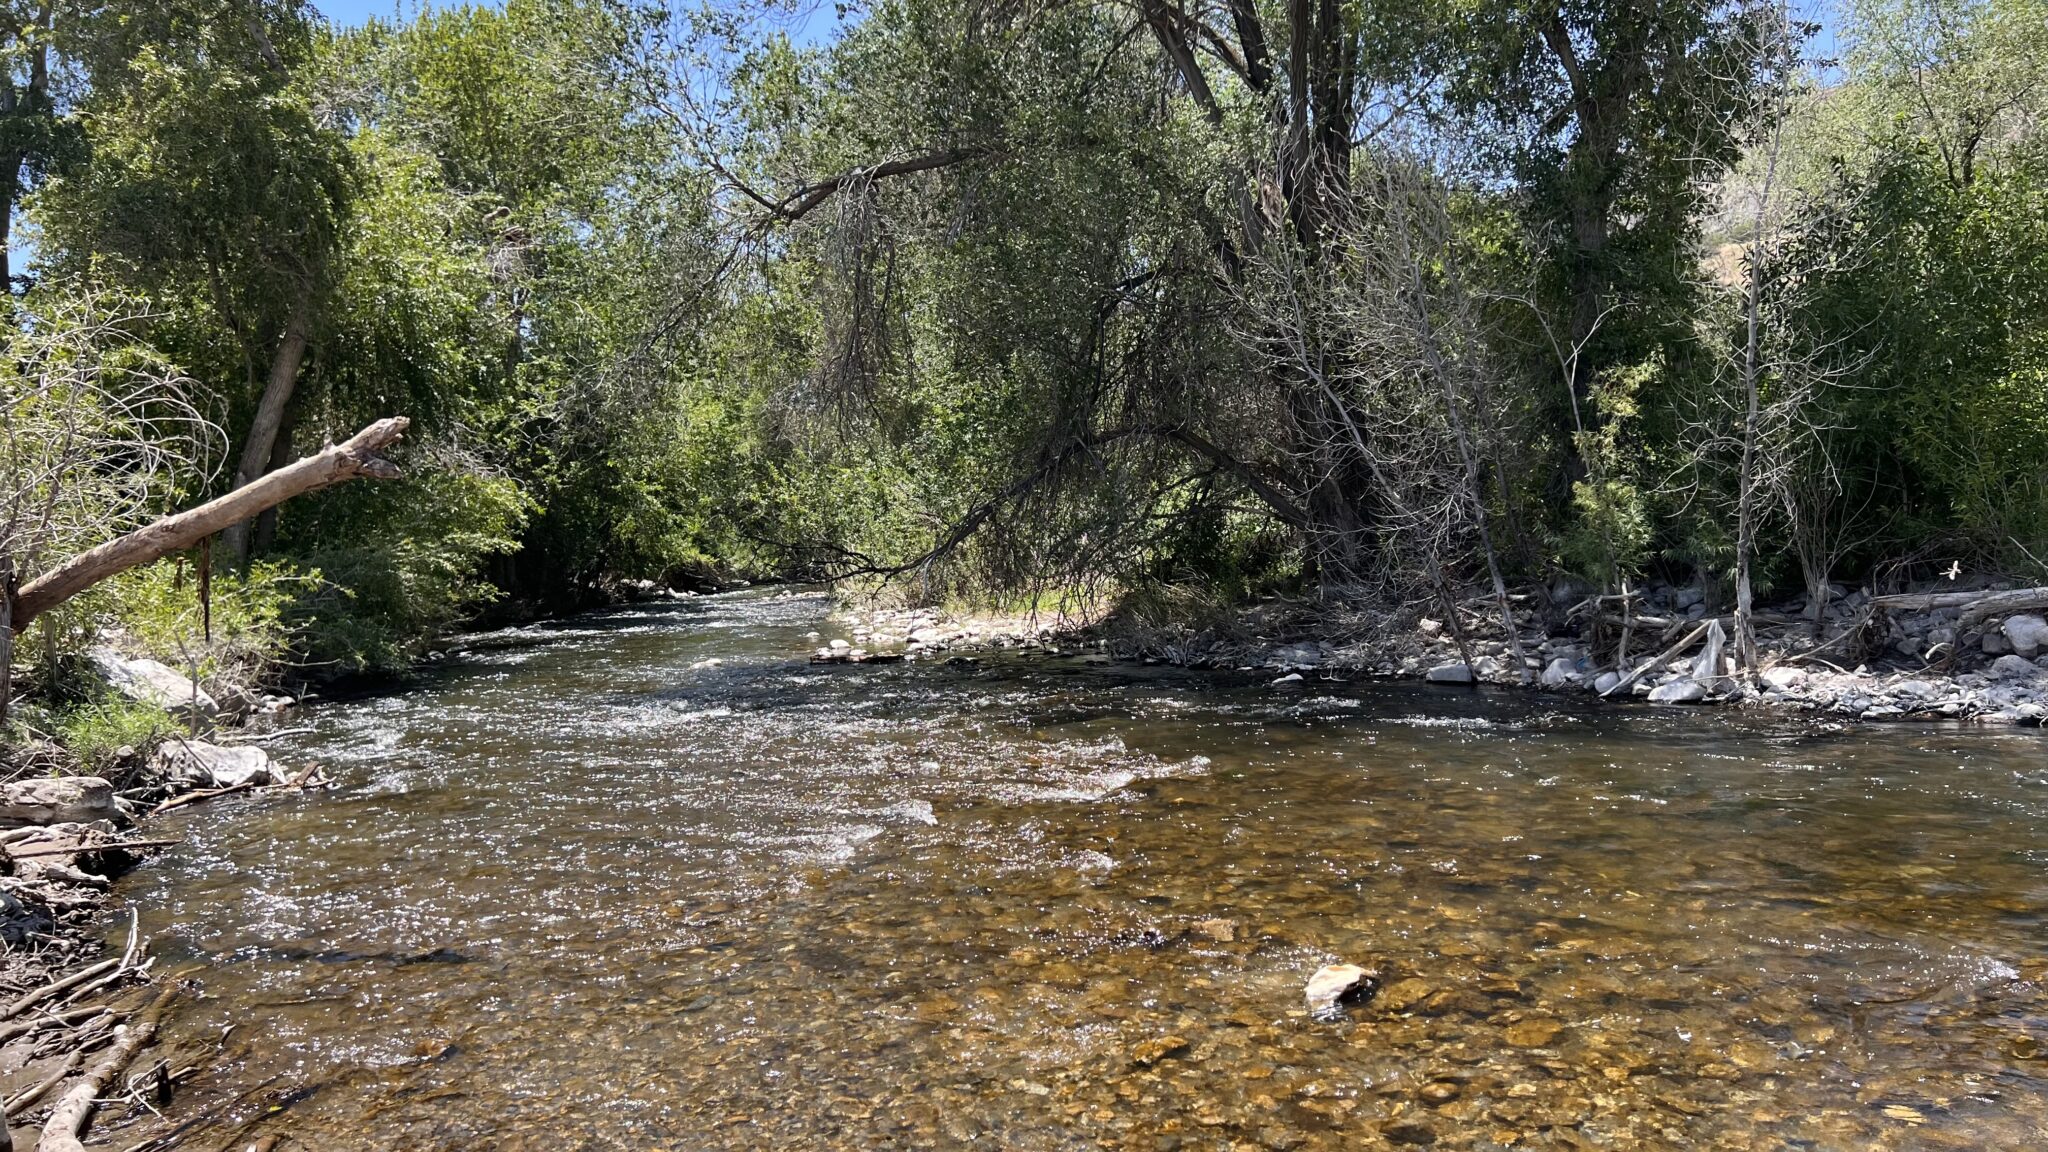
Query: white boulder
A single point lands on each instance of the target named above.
(1684, 690)
(2028, 635)
(152, 682)
(1332, 984)
(197, 764)
(1784, 678)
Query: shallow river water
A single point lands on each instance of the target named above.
(577, 890)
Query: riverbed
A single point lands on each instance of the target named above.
(647, 879)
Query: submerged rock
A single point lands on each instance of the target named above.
(58, 800)
(1338, 984)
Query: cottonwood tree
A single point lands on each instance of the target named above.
(209, 186)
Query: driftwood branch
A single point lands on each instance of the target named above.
(73, 1109)
(31, 999)
(1661, 659)
(332, 465)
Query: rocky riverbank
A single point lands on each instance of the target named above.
(1939, 653)
(74, 1018)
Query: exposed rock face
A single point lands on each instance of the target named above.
(150, 682)
(2028, 635)
(1449, 674)
(60, 800)
(197, 764)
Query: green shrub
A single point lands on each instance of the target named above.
(95, 732)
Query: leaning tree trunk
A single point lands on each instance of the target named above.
(332, 465)
(6, 635)
(262, 439)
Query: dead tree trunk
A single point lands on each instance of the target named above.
(6, 635)
(270, 410)
(332, 465)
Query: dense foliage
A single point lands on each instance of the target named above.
(1382, 300)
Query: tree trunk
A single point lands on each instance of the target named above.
(266, 522)
(6, 637)
(270, 410)
(331, 465)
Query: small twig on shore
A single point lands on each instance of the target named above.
(195, 797)
(51, 1020)
(28, 1096)
(37, 996)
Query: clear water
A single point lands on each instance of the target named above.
(577, 891)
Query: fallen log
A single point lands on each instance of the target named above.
(73, 1109)
(1977, 606)
(329, 466)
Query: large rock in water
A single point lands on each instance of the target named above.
(1449, 674)
(151, 682)
(197, 764)
(2027, 634)
(57, 800)
(1335, 984)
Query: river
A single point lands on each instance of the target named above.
(581, 888)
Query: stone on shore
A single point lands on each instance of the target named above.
(57, 800)
(1682, 691)
(1335, 984)
(1605, 682)
(1449, 674)
(2011, 667)
(1560, 672)
(151, 682)
(2028, 635)
(197, 764)
(1784, 678)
